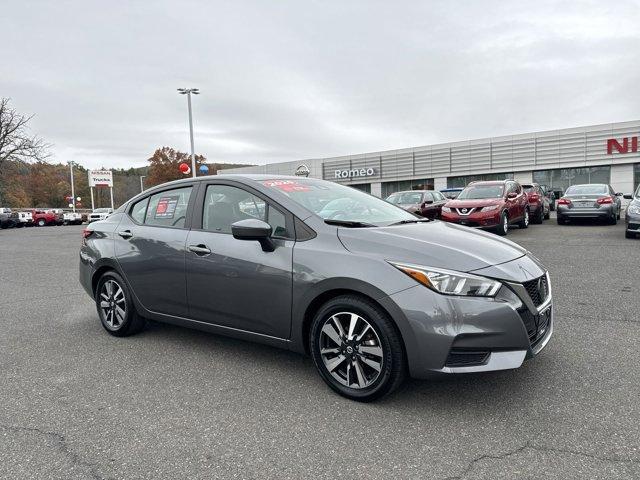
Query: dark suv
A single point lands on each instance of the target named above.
(539, 204)
(490, 205)
(426, 203)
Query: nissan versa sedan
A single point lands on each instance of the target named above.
(594, 200)
(371, 292)
(426, 203)
(632, 216)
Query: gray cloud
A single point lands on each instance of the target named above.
(286, 80)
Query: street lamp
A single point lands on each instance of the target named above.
(188, 92)
(142, 177)
(73, 191)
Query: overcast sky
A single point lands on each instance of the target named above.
(283, 80)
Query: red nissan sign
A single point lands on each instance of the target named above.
(623, 147)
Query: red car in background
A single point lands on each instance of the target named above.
(46, 217)
(492, 205)
(539, 205)
(426, 203)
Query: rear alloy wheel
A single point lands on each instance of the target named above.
(356, 348)
(41, 222)
(503, 227)
(524, 223)
(115, 308)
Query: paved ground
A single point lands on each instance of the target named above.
(77, 403)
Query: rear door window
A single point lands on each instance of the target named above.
(168, 208)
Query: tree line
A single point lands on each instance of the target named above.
(27, 179)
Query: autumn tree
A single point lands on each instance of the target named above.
(164, 165)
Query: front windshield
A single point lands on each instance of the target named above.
(476, 192)
(405, 198)
(332, 201)
(586, 190)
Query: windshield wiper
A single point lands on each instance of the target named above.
(348, 223)
(413, 220)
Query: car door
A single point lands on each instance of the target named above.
(231, 282)
(150, 247)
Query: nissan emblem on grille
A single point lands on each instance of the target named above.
(464, 210)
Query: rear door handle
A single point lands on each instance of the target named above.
(200, 249)
(125, 234)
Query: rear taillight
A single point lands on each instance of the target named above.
(564, 201)
(86, 233)
(604, 200)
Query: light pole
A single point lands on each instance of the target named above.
(73, 191)
(142, 184)
(188, 92)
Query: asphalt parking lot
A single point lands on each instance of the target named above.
(76, 403)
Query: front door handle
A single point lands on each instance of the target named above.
(125, 234)
(200, 249)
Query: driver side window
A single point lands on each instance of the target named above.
(168, 208)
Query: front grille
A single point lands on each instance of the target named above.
(538, 290)
(467, 211)
(466, 358)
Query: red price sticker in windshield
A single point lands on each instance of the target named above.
(286, 185)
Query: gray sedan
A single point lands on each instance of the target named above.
(595, 200)
(632, 217)
(371, 292)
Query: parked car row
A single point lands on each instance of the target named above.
(496, 205)
(45, 217)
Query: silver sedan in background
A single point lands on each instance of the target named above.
(632, 217)
(595, 200)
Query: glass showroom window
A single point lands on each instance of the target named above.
(365, 187)
(461, 182)
(420, 184)
(561, 179)
(636, 176)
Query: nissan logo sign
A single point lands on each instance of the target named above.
(355, 172)
(302, 171)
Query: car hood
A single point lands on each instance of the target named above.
(481, 202)
(434, 244)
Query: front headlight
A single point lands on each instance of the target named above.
(489, 208)
(448, 282)
(634, 209)
(446, 209)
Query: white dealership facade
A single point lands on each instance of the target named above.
(606, 153)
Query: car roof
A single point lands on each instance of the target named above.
(413, 191)
(490, 182)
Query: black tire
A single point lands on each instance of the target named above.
(561, 220)
(538, 218)
(393, 364)
(629, 235)
(117, 324)
(547, 215)
(613, 220)
(503, 227)
(524, 223)
(552, 206)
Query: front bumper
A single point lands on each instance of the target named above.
(487, 220)
(632, 222)
(446, 329)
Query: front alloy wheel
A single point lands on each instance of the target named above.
(356, 348)
(524, 223)
(351, 350)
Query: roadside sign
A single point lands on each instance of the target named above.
(100, 178)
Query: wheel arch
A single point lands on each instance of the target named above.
(325, 291)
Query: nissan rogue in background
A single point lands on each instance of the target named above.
(490, 205)
(371, 292)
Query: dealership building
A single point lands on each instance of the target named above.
(557, 158)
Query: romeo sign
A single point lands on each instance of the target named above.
(355, 172)
(100, 178)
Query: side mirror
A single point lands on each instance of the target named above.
(254, 229)
(512, 195)
(428, 202)
(628, 196)
(618, 194)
